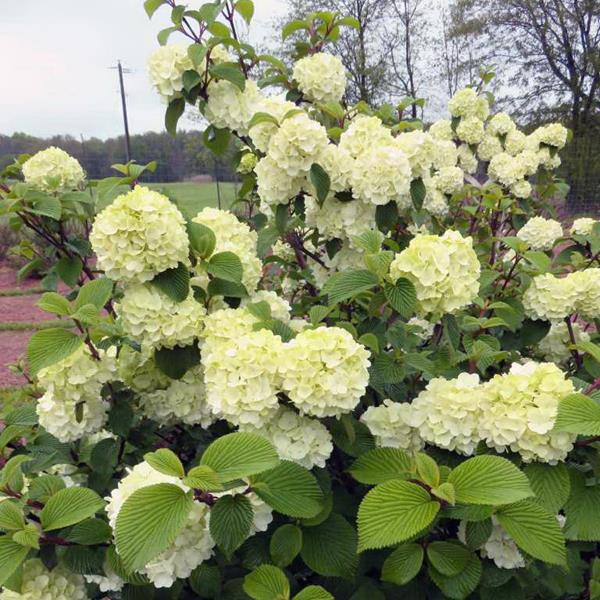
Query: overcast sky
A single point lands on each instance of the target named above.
(55, 57)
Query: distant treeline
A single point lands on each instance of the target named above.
(177, 157)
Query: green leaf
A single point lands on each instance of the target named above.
(489, 479)
(29, 536)
(177, 361)
(151, 6)
(329, 548)
(202, 239)
(165, 461)
(149, 521)
(477, 533)
(11, 516)
(12, 432)
(227, 266)
(230, 522)
(582, 510)
(313, 592)
(69, 269)
(289, 489)
(220, 287)
(393, 512)
(578, 414)
(379, 262)
(344, 285)
(203, 478)
(11, 556)
(267, 583)
(54, 303)
(417, 192)
(382, 464)
(197, 54)
(369, 240)
(175, 282)
(403, 564)
(448, 557)
(216, 140)
(69, 506)
(246, 9)
(83, 560)
(47, 206)
(45, 486)
(550, 484)
(230, 72)
(402, 296)
(286, 543)
(173, 113)
(462, 585)
(292, 27)
(534, 530)
(190, 79)
(206, 581)
(239, 455)
(90, 532)
(427, 469)
(445, 491)
(96, 292)
(321, 182)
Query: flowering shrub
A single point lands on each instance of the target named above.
(379, 379)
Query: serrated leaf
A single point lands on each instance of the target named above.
(445, 491)
(11, 556)
(403, 564)
(369, 240)
(227, 266)
(313, 592)
(206, 580)
(379, 262)
(329, 548)
(45, 486)
(28, 537)
(90, 532)
(578, 414)
(175, 109)
(175, 282)
(165, 461)
(489, 479)
(462, 585)
(202, 239)
(69, 506)
(12, 432)
(582, 510)
(534, 530)
(230, 72)
(417, 192)
(321, 182)
(239, 455)
(289, 489)
(230, 522)
(477, 533)
(393, 512)
(318, 313)
(550, 484)
(220, 287)
(402, 296)
(54, 303)
(11, 516)
(177, 361)
(49, 346)
(345, 285)
(285, 544)
(149, 521)
(382, 464)
(83, 560)
(448, 557)
(267, 583)
(203, 478)
(427, 469)
(96, 292)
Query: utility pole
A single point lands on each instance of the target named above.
(120, 69)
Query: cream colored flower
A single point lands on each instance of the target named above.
(166, 67)
(390, 424)
(550, 298)
(321, 77)
(363, 134)
(583, 226)
(53, 170)
(555, 346)
(540, 233)
(229, 107)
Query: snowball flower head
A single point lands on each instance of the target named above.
(446, 413)
(444, 270)
(583, 226)
(153, 319)
(390, 424)
(321, 77)
(442, 130)
(280, 307)
(275, 186)
(338, 163)
(466, 103)
(553, 134)
(75, 381)
(501, 124)
(39, 583)
(231, 108)
(53, 170)
(277, 107)
(192, 546)
(138, 371)
(297, 438)
(140, 234)
(448, 179)
(506, 169)
(166, 67)
(325, 371)
(362, 134)
(470, 130)
(381, 174)
(540, 233)
(587, 287)
(518, 412)
(555, 346)
(549, 297)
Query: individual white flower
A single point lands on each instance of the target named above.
(540, 233)
(446, 413)
(463, 103)
(442, 130)
(53, 170)
(364, 133)
(40, 583)
(501, 124)
(321, 77)
(550, 298)
(182, 401)
(444, 270)
(298, 143)
(506, 169)
(192, 546)
(231, 108)
(72, 405)
(448, 179)
(518, 411)
(389, 423)
(555, 346)
(553, 134)
(382, 174)
(277, 107)
(515, 142)
(140, 234)
(166, 67)
(280, 307)
(233, 236)
(297, 438)
(325, 371)
(521, 189)
(153, 319)
(587, 290)
(583, 226)
(470, 130)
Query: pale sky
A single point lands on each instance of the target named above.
(54, 59)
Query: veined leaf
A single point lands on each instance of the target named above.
(49, 346)
(550, 484)
(344, 285)
(175, 282)
(313, 592)
(286, 543)
(267, 583)
(230, 522)
(11, 556)
(403, 564)
(462, 585)
(96, 292)
(448, 557)
(578, 414)
(227, 266)
(165, 461)
(382, 464)
(402, 296)
(70, 506)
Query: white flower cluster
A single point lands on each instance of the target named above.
(444, 270)
(40, 583)
(109, 582)
(390, 424)
(555, 346)
(321, 77)
(72, 405)
(232, 236)
(140, 234)
(277, 107)
(229, 107)
(583, 226)
(540, 233)
(166, 67)
(153, 319)
(192, 546)
(324, 371)
(53, 170)
(297, 438)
